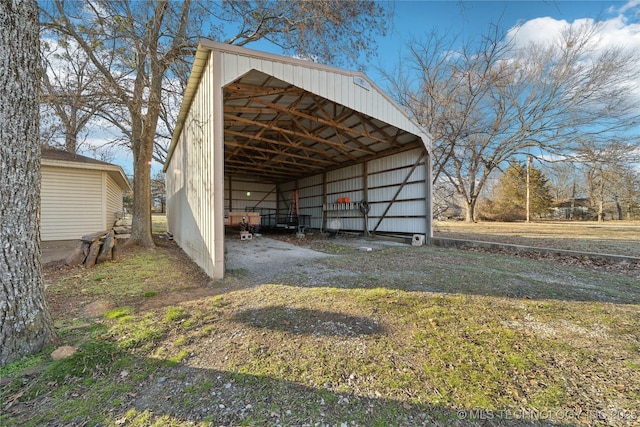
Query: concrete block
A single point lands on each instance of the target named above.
(417, 240)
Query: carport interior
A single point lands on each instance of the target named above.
(276, 132)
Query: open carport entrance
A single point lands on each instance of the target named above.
(282, 136)
(277, 135)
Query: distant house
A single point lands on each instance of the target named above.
(573, 209)
(79, 195)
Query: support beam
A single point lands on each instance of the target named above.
(395, 197)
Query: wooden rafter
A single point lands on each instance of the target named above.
(331, 123)
(283, 168)
(270, 149)
(280, 133)
(304, 136)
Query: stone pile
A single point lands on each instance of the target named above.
(93, 249)
(122, 228)
(102, 246)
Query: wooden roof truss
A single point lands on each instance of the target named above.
(276, 132)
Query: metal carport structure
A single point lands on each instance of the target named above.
(254, 128)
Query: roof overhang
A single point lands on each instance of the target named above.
(277, 131)
(115, 172)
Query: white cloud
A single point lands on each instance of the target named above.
(631, 5)
(621, 30)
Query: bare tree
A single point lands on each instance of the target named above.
(630, 193)
(25, 323)
(71, 88)
(487, 102)
(139, 47)
(563, 179)
(609, 173)
(158, 191)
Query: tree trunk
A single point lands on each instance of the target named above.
(601, 201)
(26, 326)
(141, 222)
(470, 208)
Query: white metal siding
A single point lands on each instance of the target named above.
(190, 181)
(71, 203)
(248, 195)
(405, 214)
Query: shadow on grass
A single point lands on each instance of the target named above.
(116, 388)
(308, 322)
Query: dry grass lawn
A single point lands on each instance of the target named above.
(610, 237)
(397, 336)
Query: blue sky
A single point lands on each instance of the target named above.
(469, 19)
(538, 20)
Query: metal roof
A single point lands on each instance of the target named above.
(281, 124)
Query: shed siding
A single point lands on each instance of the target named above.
(114, 201)
(190, 183)
(71, 203)
(396, 187)
(242, 196)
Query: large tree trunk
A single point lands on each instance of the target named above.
(25, 324)
(141, 224)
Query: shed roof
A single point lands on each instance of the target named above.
(286, 118)
(55, 157)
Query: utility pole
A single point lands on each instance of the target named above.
(528, 189)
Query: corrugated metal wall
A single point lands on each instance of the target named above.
(398, 193)
(395, 188)
(190, 195)
(72, 203)
(245, 196)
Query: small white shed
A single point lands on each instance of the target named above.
(265, 133)
(79, 195)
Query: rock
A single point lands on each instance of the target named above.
(98, 308)
(63, 352)
(123, 222)
(78, 255)
(122, 230)
(93, 254)
(90, 238)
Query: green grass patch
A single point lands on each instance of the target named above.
(25, 363)
(141, 274)
(158, 223)
(174, 314)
